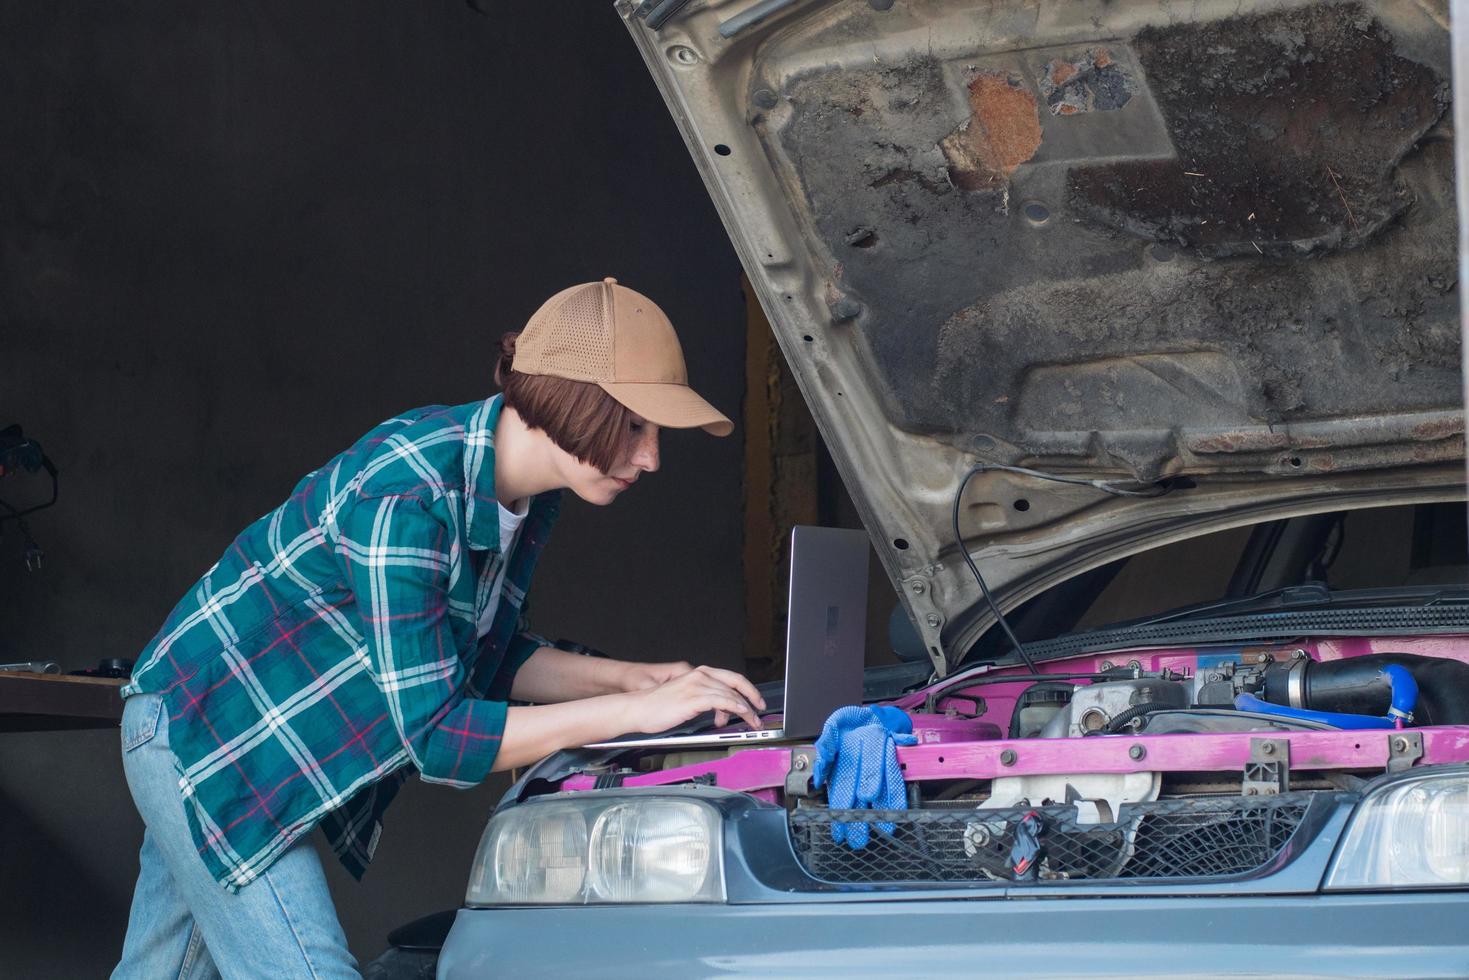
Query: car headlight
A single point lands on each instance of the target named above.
(1408, 834)
(593, 850)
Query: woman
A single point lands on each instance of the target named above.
(371, 626)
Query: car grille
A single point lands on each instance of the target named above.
(1206, 837)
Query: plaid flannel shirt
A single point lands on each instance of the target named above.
(334, 646)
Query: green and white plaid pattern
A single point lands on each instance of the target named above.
(335, 645)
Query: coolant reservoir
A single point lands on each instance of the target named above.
(1093, 707)
(951, 728)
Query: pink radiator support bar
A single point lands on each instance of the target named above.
(965, 748)
(763, 769)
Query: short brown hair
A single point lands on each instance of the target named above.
(579, 416)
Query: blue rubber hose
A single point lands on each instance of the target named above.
(1404, 694)
(1336, 719)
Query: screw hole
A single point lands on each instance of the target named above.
(941, 758)
(900, 543)
(806, 337)
(1036, 213)
(1022, 505)
(1294, 461)
(721, 149)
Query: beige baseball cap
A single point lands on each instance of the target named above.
(621, 341)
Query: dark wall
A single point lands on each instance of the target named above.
(233, 236)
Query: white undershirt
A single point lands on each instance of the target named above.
(510, 521)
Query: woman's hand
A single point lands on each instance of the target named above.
(692, 692)
(536, 731)
(641, 677)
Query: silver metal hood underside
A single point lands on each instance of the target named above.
(1213, 243)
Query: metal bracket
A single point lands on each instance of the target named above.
(1268, 771)
(1403, 749)
(798, 778)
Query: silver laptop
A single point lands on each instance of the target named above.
(826, 634)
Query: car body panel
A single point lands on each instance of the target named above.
(1109, 239)
(1237, 936)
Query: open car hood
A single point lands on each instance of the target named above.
(1213, 244)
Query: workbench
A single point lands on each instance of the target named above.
(52, 702)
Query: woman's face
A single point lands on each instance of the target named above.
(597, 487)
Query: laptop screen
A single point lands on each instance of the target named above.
(826, 625)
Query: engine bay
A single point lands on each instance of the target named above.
(1142, 763)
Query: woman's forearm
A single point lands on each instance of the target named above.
(551, 676)
(534, 732)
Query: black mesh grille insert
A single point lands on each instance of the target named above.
(1188, 838)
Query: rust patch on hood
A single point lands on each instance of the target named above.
(1438, 429)
(1058, 73)
(1238, 442)
(1003, 132)
(1095, 82)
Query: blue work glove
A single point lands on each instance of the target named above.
(857, 760)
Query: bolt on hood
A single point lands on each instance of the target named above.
(1130, 241)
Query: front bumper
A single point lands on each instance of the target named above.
(1376, 935)
(780, 920)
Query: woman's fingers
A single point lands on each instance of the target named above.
(738, 682)
(717, 697)
(731, 700)
(702, 690)
(737, 705)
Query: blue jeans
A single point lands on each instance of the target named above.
(183, 923)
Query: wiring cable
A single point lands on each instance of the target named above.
(932, 697)
(1106, 486)
(16, 451)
